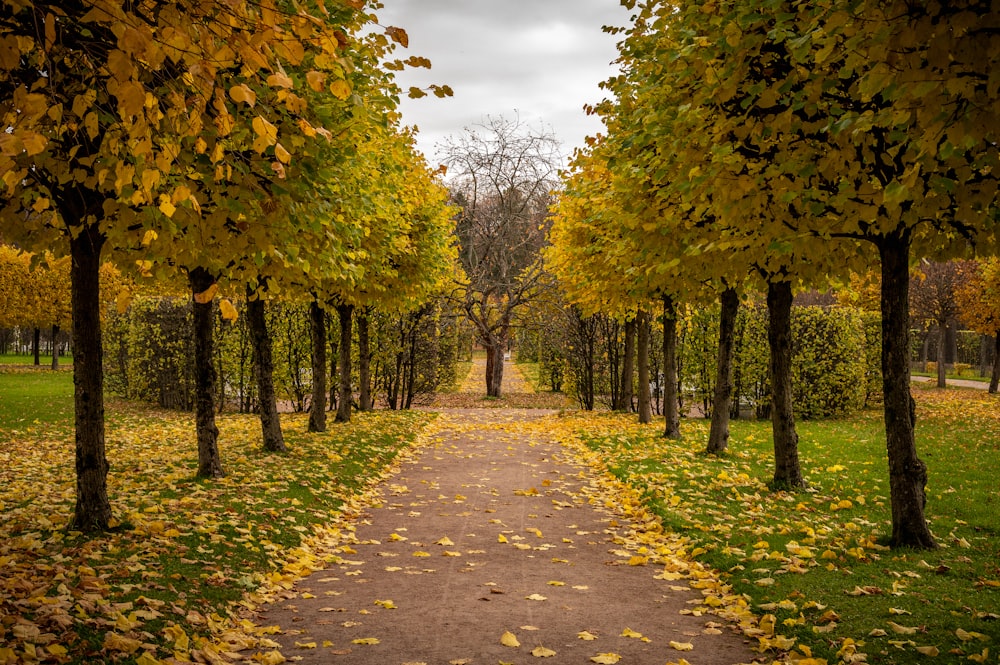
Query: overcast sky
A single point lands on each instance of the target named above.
(539, 59)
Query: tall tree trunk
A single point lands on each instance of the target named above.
(494, 365)
(317, 335)
(628, 368)
(55, 347)
(93, 509)
(718, 437)
(36, 346)
(346, 315)
(995, 375)
(364, 362)
(334, 360)
(787, 471)
(907, 473)
(209, 459)
(270, 424)
(671, 405)
(942, 367)
(645, 408)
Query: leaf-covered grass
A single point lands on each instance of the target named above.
(32, 397)
(186, 552)
(813, 562)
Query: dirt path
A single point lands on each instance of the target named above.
(490, 530)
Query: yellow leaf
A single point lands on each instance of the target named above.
(501, 538)
(280, 80)
(902, 630)
(207, 295)
(929, 651)
(387, 604)
(315, 80)
(272, 658)
(145, 659)
(446, 542)
(366, 640)
(628, 632)
(421, 554)
(33, 143)
(305, 645)
(341, 89)
(267, 134)
(556, 583)
(166, 207)
(536, 596)
(508, 639)
(242, 94)
(605, 658)
(681, 646)
(542, 652)
(281, 154)
(585, 635)
(227, 310)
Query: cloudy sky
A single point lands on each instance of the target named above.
(539, 59)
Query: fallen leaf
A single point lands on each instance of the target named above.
(542, 652)
(536, 596)
(929, 651)
(606, 658)
(366, 640)
(585, 635)
(681, 646)
(508, 639)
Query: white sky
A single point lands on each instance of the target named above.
(541, 60)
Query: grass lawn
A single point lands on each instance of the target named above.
(813, 563)
(31, 397)
(186, 554)
(21, 359)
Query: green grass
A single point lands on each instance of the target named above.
(964, 376)
(786, 552)
(29, 359)
(32, 397)
(462, 370)
(530, 372)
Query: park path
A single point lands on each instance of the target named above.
(494, 529)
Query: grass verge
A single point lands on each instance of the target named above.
(812, 563)
(30, 398)
(187, 555)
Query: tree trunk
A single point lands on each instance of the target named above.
(907, 473)
(942, 368)
(36, 346)
(718, 438)
(787, 471)
(628, 368)
(642, 325)
(671, 405)
(93, 509)
(995, 375)
(364, 363)
(317, 334)
(346, 315)
(209, 460)
(267, 402)
(494, 366)
(55, 347)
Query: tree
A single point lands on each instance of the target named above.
(502, 176)
(809, 106)
(933, 286)
(978, 299)
(110, 127)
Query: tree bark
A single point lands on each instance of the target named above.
(787, 470)
(494, 365)
(93, 509)
(346, 315)
(628, 368)
(718, 437)
(907, 473)
(55, 347)
(317, 334)
(36, 342)
(364, 363)
(995, 375)
(209, 459)
(942, 367)
(671, 405)
(645, 406)
(270, 424)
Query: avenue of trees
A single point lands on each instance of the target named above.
(253, 148)
(777, 147)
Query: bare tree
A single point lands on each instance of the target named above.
(502, 176)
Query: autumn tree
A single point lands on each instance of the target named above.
(978, 300)
(934, 285)
(502, 173)
(115, 112)
(826, 122)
